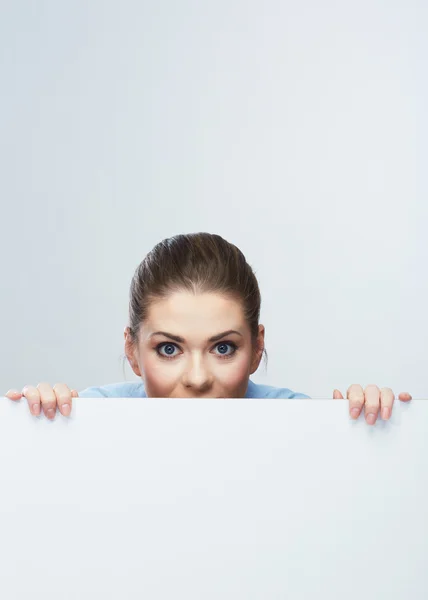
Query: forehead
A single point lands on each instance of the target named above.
(203, 310)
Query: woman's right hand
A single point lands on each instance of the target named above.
(47, 398)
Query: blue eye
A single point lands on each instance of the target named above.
(222, 348)
(169, 349)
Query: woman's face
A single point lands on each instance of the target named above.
(195, 346)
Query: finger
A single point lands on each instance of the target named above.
(371, 403)
(355, 395)
(13, 395)
(386, 402)
(404, 397)
(33, 398)
(75, 393)
(48, 399)
(63, 397)
(337, 395)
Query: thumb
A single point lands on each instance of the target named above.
(337, 395)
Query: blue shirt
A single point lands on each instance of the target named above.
(135, 389)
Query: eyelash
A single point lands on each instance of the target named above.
(221, 356)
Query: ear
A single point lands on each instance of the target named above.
(258, 352)
(130, 352)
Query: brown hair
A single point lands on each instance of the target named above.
(197, 262)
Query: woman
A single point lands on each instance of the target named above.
(194, 332)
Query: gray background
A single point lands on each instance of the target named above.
(297, 130)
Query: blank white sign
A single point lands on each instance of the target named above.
(213, 499)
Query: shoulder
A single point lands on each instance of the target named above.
(256, 390)
(124, 389)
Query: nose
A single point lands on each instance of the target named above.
(196, 375)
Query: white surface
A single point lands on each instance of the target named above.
(298, 130)
(232, 499)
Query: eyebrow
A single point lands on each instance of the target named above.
(177, 338)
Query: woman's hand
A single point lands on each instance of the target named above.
(370, 398)
(47, 398)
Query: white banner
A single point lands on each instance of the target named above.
(213, 499)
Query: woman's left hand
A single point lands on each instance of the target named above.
(371, 398)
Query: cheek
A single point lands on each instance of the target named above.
(158, 376)
(236, 374)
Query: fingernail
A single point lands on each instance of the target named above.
(66, 409)
(371, 418)
(35, 409)
(385, 413)
(355, 412)
(50, 413)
